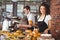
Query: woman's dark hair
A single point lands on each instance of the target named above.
(46, 8)
(27, 7)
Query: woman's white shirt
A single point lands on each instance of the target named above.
(47, 18)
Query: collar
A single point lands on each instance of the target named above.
(28, 14)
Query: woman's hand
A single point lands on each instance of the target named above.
(46, 31)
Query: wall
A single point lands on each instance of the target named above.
(55, 13)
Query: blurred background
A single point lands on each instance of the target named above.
(15, 7)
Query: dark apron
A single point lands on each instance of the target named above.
(42, 25)
(31, 28)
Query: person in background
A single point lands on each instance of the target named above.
(10, 15)
(30, 18)
(44, 19)
(4, 15)
(5, 25)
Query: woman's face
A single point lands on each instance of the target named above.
(42, 9)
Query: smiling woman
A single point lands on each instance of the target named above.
(44, 18)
